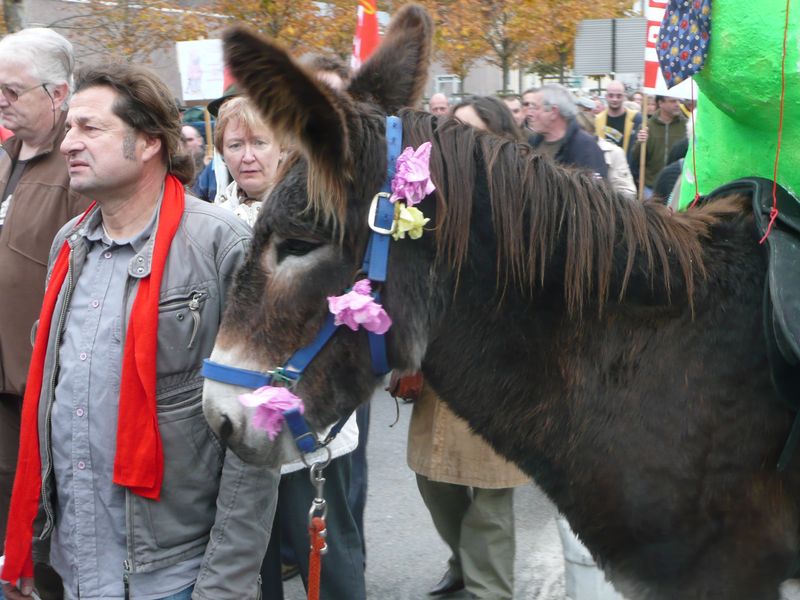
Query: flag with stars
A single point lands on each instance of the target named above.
(683, 40)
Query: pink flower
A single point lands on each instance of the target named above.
(412, 178)
(270, 402)
(357, 309)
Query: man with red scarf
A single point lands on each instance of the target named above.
(120, 484)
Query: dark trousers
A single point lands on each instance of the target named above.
(342, 575)
(357, 494)
(48, 583)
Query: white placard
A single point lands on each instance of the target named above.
(200, 65)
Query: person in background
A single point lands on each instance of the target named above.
(138, 498)
(36, 80)
(664, 129)
(467, 488)
(439, 105)
(637, 97)
(550, 113)
(652, 105)
(514, 104)
(193, 145)
(619, 174)
(252, 155)
(617, 124)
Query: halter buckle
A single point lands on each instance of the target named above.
(280, 375)
(373, 210)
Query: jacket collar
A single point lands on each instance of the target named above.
(90, 228)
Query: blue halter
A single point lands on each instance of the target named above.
(375, 265)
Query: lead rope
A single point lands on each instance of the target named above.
(317, 531)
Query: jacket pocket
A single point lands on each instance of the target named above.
(181, 331)
(192, 467)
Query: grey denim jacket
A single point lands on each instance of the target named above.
(211, 502)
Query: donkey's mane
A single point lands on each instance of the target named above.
(537, 206)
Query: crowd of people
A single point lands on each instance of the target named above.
(606, 135)
(138, 220)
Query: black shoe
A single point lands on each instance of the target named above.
(448, 584)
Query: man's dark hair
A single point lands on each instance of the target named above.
(144, 103)
(660, 99)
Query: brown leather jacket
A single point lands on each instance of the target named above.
(42, 203)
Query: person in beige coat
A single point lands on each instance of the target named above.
(469, 491)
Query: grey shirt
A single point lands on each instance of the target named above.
(89, 540)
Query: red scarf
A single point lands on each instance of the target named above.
(139, 458)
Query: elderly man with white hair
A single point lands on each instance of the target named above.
(550, 112)
(35, 82)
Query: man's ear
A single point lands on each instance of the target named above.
(152, 147)
(59, 93)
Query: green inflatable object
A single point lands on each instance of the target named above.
(738, 106)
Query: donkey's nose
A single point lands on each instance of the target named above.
(225, 429)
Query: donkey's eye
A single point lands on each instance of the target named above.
(295, 247)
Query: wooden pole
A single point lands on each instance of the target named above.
(209, 137)
(643, 149)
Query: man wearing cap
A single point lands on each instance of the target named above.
(35, 83)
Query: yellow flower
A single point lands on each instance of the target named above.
(409, 220)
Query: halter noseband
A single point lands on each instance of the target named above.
(375, 265)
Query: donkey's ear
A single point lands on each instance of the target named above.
(295, 105)
(395, 75)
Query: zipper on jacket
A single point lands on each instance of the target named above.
(125, 582)
(194, 310)
(51, 396)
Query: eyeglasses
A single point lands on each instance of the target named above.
(13, 95)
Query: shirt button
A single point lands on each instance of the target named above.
(73, 237)
(107, 254)
(79, 412)
(95, 303)
(81, 465)
(140, 270)
(83, 356)
(139, 259)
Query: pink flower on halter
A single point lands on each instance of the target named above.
(270, 402)
(358, 308)
(412, 178)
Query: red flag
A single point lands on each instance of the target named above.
(366, 38)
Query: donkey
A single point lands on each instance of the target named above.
(613, 350)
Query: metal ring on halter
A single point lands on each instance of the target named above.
(279, 375)
(373, 209)
(320, 464)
